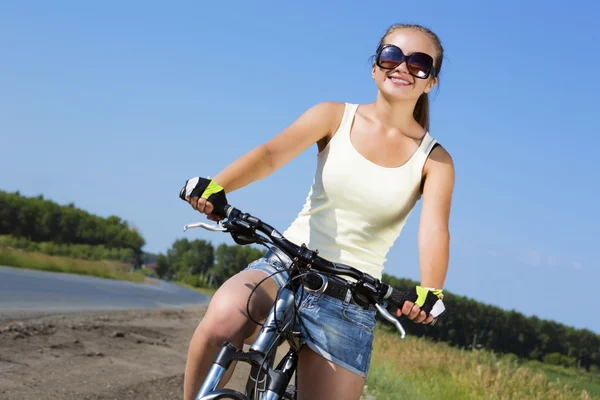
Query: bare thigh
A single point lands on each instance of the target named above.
(227, 319)
(228, 309)
(320, 379)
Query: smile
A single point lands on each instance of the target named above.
(399, 81)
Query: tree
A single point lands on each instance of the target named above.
(162, 267)
(232, 259)
(41, 220)
(187, 258)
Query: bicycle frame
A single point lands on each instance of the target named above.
(278, 326)
(261, 354)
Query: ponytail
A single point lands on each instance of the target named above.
(421, 112)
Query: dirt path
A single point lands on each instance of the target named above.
(100, 355)
(114, 355)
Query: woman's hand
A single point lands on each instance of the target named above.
(422, 305)
(203, 194)
(200, 204)
(203, 206)
(414, 313)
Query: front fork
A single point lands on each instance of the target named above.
(280, 318)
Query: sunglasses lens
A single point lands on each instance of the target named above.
(419, 64)
(390, 57)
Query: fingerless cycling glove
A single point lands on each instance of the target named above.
(429, 300)
(206, 189)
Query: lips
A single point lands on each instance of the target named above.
(397, 80)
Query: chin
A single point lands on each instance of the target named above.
(398, 95)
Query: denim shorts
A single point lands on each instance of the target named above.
(337, 330)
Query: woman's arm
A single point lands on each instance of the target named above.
(313, 125)
(434, 234)
(317, 123)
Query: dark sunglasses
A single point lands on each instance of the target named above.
(419, 65)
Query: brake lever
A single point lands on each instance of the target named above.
(218, 227)
(390, 318)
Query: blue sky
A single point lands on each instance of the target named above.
(113, 106)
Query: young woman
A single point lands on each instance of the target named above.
(375, 162)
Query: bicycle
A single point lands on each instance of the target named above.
(266, 382)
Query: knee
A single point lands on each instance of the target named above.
(226, 320)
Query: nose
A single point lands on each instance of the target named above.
(402, 67)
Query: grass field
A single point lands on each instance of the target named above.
(578, 379)
(416, 368)
(101, 269)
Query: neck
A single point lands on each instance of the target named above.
(395, 115)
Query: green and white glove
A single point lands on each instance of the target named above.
(207, 189)
(430, 300)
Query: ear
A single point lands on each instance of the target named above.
(432, 82)
(373, 71)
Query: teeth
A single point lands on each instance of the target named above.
(400, 80)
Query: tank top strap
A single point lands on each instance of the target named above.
(422, 153)
(427, 144)
(342, 133)
(348, 117)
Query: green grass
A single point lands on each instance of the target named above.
(576, 378)
(38, 261)
(71, 250)
(416, 368)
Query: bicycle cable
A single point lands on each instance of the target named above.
(296, 303)
(296, 308)
(265, 279)
(254, 289)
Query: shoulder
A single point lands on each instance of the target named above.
(327, 108)
(439, 155)
(328, 114)
(439, 163)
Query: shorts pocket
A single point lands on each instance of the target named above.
(359, 316)
(309, 301)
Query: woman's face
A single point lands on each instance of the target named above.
(398, 84)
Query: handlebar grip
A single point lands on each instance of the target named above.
(221, 210)
(226, 211)
(397, 298)
(219, 202)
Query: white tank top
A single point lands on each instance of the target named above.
(356, 209)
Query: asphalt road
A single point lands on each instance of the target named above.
(24, 290)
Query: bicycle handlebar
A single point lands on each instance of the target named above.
(373, 289)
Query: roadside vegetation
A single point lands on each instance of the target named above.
(44, 262)
(417, 368)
